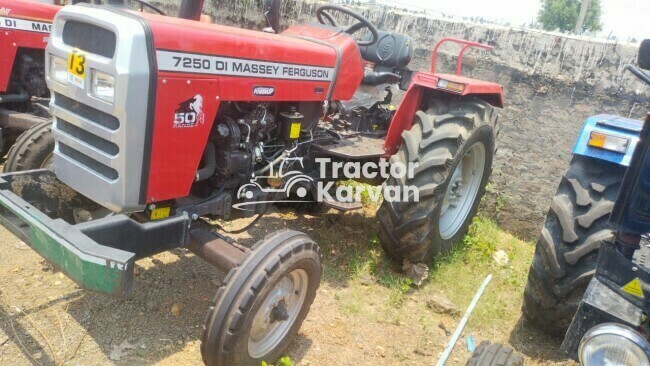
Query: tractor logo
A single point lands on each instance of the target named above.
(189, 113)
(290, 182)
(4, 11)
(385, 48)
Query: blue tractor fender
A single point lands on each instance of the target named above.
(609, 125)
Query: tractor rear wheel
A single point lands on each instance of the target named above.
(263, 301)
(453, 143)
(34, 149)
(567, 248)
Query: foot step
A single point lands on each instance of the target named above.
(343, 206)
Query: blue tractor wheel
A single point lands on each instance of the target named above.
(567, 248)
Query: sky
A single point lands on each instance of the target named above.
(625, 18)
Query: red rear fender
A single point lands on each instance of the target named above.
(412, 101)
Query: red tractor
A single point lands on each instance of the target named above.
(24, 121)
(159, 121)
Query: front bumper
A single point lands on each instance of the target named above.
(99, 255)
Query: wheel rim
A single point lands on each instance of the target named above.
(462, 190)
(48, 162)
(277, 314)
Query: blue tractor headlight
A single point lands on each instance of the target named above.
(613, 345)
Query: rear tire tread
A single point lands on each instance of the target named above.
(434, 141)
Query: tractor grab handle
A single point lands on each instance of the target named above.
(459, 64)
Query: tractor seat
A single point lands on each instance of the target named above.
(391, 52)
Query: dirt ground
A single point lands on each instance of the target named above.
(365, 313)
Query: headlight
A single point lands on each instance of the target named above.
(58, 69)
(613, 344)
(103, 86)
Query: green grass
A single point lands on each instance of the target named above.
(355, 266)
(283, 361)
(459, 275)
(364, 191)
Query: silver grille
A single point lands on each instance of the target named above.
(100, 146)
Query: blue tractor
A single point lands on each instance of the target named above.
(590, 276)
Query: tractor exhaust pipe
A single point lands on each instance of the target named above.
(190, 9)
(213, 248)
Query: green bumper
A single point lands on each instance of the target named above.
(98, 255)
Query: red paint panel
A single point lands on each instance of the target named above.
(29, 10)
(190, 36)
(176, 151)
(403, 118)
(351, 68)
(31, 39)
(241, 89)
(7, 56)
(351, 71)
(12, 40)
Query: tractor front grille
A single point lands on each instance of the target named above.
(87, 137)
(92, 114)
(83, 159)
(89, 38)
(100, 145)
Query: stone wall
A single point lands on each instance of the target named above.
(552, 84)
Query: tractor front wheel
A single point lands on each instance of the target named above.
(487, 354)
(567, 248)
(453, 144)
(34, 149)
(263, 301)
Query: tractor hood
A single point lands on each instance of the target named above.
(303, 63)
(22, 9)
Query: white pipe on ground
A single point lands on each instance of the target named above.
(463, 322)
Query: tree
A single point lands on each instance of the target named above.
(563, 15)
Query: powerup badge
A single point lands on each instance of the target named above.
(633, 288)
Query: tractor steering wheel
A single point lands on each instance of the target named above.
(150, 6)
(325, 17)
